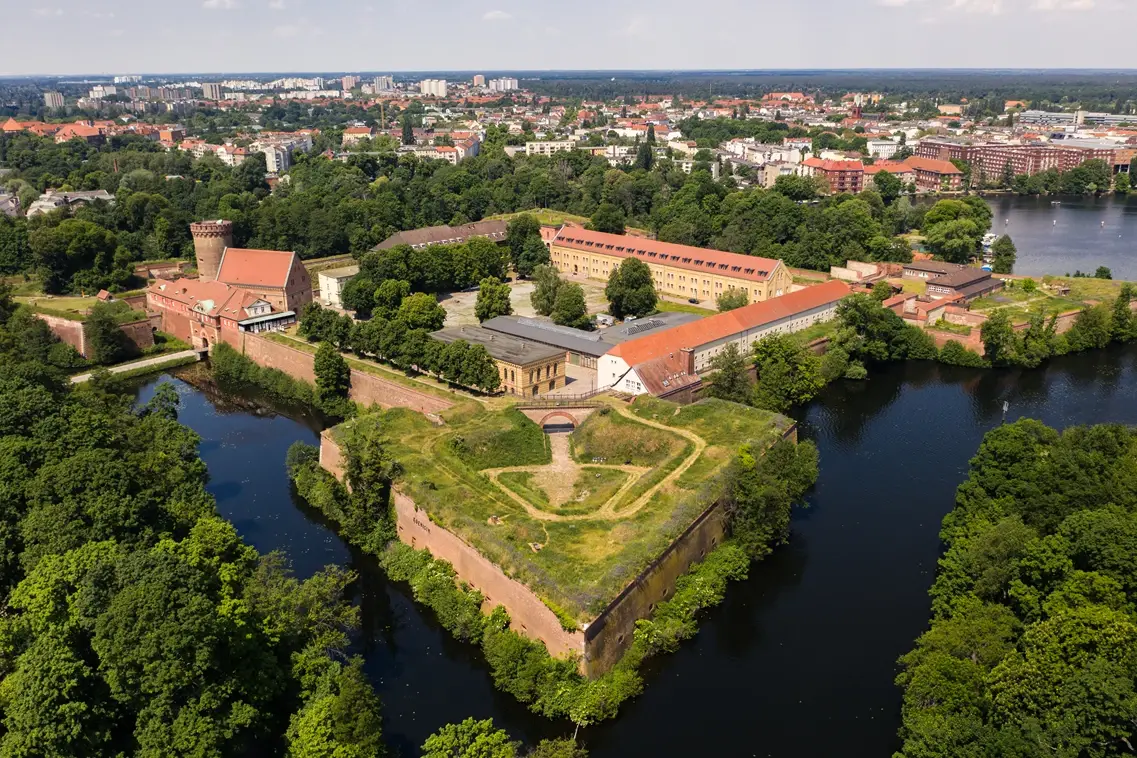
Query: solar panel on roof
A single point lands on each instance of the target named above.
(642, 326)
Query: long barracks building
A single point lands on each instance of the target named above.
(679, 270)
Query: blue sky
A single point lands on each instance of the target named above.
(124, 36)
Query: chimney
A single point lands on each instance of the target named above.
(688, 359)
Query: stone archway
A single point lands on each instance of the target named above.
(546, 420)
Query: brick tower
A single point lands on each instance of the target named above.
(210, 238)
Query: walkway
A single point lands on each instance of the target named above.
(145, 363)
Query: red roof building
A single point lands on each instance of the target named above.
(662, 362)
(275, 275)
(934, 175)
(838, 176)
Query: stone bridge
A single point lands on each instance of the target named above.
(543, 417)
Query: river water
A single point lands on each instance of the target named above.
(1080, 233)
(798, 662)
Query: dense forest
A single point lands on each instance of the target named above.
(136, 620)
(1032, 648)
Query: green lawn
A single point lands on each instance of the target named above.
(581, 564)
(1021, 303)
(608, 437)
(669, 306)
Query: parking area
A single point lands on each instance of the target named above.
(459, 306)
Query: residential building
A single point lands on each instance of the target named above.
(492, 229)
(688, 165)
(666, 362)
(900, 169)
(479, 80)
(332, 283)
(433, 87)
(9, 205)
(211, 91)
(354, 134)
(101, 91)
(934, 175)
(526, 368)
(991, 160)
(838, 176)
(951, 110)
(54, 199)
(678, 270)
(277, 276)
(505, 84)
(349, 83)
(548, 148)
(53, 100)
(384, 83)
(882, 148)
(92, 135)
(1076, 118)
(768, 175)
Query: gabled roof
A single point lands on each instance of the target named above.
(723, 325)
(701, 259)
(933, 165)
(255, 268)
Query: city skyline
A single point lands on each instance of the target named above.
(207, 36)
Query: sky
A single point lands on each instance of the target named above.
(191, 36)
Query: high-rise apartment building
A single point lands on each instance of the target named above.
(504, 84)
(211, 91)
(384, 83)
(433, 87)
(479, 80)
(53, 99)
(349, 83)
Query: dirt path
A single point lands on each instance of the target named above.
(563, 462)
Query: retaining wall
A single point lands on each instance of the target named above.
(71, 332)
(366, 389)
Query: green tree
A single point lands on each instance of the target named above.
(631, 289)
(106, 341)
(469, 739)
(493, 299)
(546, 284)
(359, 295)
(408, 129)
(333, 377)
(421, 311)
(1092, 329)
(1103, 273)
(888, 185)
(799, 188)
(645, 158)
(389, 296)
(1122, 183)
(1004, 252)
(762, 491)
(729, 378)
(1124, 321)
(789, 373)
(570, 307)
(731, 299)
(607, 218)
(1000, 344)
(533, 254)
(520, 231)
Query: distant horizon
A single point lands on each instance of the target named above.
(331, 72)
(217, 36)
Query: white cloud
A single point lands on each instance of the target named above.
(48, 12)
(496, 16)
(1064, 5)
(219, 5)
(276, 5)
(894, 3)
(286, 30)
(985, 7)
(97, 14)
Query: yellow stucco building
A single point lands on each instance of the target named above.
(679, 270)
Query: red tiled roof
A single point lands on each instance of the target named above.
(255, 268)
(827, 165)
(205, 297)
(722, 325)
(933, 165)
(892, 167)
(702, 259)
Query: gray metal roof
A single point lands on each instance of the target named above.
(579, 341)
(502, 347)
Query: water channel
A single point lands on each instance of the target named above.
(798, 661)
(1061, 235)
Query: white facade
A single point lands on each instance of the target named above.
(504, 84)
(548, 148)
(433, 87)
(332, 283)
(882, 148)
(614, 371)
(53, 100)
(211, 91)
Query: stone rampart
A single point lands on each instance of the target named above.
(366, 388)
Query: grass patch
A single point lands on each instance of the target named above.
(521, 483)
(611, 438)
(817, 331)
(945, 326)
(668, 306)
(498, 440)
(555, 218)
(595, 486)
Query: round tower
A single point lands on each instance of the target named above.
(210, 238)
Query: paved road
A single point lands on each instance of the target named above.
(123, 367)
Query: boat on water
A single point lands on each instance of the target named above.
(1055, 202)
(989, 240)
